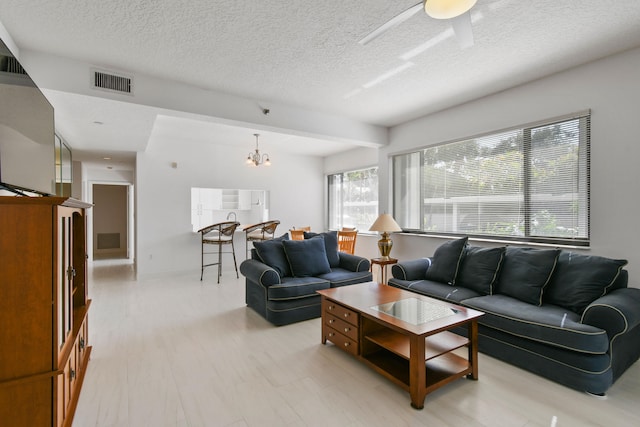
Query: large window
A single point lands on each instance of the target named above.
(353, 199)
(527, 184)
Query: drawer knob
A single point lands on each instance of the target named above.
(81, 343)
(331, 320)
(331, 334)
(346, 329)
(330, 307)
(72, 374)
(346, 315)
(346, 344)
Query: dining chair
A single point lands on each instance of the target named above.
(220, 234)
(347, 241)
(296, 234)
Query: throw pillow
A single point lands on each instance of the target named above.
(271, 252)
(581, 279)
(307, 257)
(526, 272)
(446, 260)
(331, 245)
(480, 269)
(285, 236)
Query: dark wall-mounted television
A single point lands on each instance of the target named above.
(27, 129)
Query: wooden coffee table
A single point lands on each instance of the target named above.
(402, 335)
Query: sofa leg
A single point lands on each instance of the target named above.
(597, 395)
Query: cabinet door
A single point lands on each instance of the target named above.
(65, 274)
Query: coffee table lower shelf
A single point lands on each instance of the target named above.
(446, 368)
(388, 353)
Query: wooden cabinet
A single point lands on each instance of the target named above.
(44, 303)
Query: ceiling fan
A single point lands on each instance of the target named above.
(456, 11)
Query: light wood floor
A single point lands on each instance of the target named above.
(174, 351)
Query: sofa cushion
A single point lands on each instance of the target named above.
(330, 245)
(437, 290)
(271, 252)
(342, 277)
(581, 279)
(526, 272)
(548, 324)
(480, 269)
(446, 260)
(296, 287)
(307, 257)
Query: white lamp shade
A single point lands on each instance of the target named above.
(447, 9)
(385, 222)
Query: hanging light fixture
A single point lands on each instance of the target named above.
(447, 9)
(257, 159)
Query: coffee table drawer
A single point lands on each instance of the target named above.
(342, 341)
(341, 312)
(341, 326)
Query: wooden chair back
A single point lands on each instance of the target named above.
(222, 232)
(296, 234)
(347, 241)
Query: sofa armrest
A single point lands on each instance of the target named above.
(353, 262)
(616, 312)
(259, 273)
(411, 270)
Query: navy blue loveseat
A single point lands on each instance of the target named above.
(565, 316)
(283, 275)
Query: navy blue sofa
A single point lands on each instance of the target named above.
(565, 316)
(283, 275)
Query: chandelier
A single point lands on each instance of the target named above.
(257, 159)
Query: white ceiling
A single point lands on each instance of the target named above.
(305, 54)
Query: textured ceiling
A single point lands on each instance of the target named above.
(306, 54)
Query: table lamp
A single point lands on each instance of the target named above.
(385, 224)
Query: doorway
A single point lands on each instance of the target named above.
(112, 221)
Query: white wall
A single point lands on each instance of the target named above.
(358, 158)
(165, 239)
(610, 88)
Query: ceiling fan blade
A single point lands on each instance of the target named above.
(396, 20)
(463, 29)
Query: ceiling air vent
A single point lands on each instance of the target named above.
(112, 82)
(9, 64)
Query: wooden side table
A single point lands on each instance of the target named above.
(383, 263)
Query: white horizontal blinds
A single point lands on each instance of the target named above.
(360, 199)
(407, 191)
(559, 180)
(335, 198)
(475, 186)
(530, 183)
(353, 199)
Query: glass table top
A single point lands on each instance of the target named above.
(415, 311)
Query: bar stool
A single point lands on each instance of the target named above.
(219, 234)
(259, 232)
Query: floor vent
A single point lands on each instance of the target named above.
(112, 82)
(108, 241)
